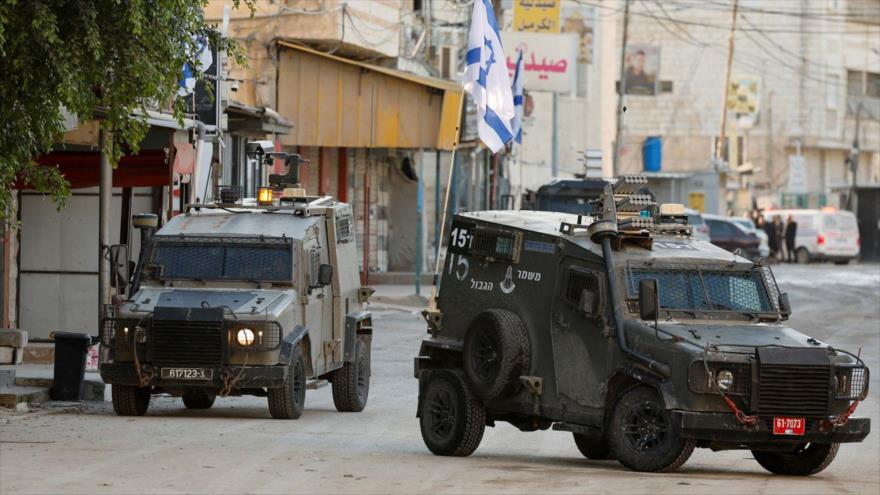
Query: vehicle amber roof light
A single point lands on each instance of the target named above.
(264, 196)
(829, 209)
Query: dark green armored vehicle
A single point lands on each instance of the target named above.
(622, 329)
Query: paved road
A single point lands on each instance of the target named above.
(236, 448)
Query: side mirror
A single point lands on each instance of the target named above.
(119, 267)
(649, 300)
(784, 306)
(325, 274)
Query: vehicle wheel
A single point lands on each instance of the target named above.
(841, 262)
(642, 435)
(130, 400)
(288, 401)
(198, 399)
(806, 459)
(802, 255)
(592, 448)
(351, 383)
(452, 420)
(496, 353)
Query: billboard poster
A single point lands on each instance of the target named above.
(536, 16)
(580, 20)
(642, 66)
(549, 60)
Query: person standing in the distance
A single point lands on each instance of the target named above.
(772, 239)
(790, 235)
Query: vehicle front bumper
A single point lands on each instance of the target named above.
(723, 427)
(240, 376)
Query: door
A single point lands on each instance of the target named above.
(580, 346)
(868, 214)
(318, 301)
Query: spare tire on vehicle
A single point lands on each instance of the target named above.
(496, 353)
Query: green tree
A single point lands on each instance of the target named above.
(105, 59)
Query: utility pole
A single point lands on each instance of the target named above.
(730, 43)
(105, 181)
(621, 89)
(854, 160)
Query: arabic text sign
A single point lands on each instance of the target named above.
(549, 60)
(536, 16)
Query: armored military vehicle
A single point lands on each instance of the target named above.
(621, 328)
(259, 298)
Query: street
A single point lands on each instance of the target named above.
(236, 448)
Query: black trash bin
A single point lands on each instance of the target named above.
(71, 350)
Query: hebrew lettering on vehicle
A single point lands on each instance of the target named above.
(527, 275)
(481, 285)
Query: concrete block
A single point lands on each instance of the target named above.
(13, 337)
(39, 353)
(12, 396)
(7, 355)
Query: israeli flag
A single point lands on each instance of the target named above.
(486, 79)
(516, 125)
(203, 60)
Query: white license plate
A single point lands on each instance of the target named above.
(187, 373)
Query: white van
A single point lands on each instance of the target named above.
(826, 234)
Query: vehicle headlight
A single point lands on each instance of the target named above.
(244, 337)
(724, 380)
(851, 383)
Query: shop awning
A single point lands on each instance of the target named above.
(148, 168)
(339, 102)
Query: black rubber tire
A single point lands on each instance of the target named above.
(351, 383)
(130, 400)
(841, 262)
(593, 448)
(642, 435)
(805, 460)
(198, 399)
(288, 401)
(496, 353)
(452, 420)
(802, 255)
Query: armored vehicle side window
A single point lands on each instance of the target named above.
(710, 290)
(581, 290)
(217, 259)
(486, 242)
(343, 229)
(314, 264)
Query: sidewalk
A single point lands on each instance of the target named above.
(400, 295)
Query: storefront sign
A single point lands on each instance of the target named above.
(549, 60)
(536, 16)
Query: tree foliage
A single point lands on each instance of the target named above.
(106, 59)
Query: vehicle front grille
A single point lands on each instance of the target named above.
(793, 390)
(186, 343)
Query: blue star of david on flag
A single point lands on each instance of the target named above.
(486, 80)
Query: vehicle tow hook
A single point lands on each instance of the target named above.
(535, 386)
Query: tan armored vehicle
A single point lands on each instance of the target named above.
(243, 298)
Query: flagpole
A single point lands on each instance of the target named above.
(433, 302)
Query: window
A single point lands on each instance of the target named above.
(582, 291)
(713, 290)
(864, 84)
(721, 228)
(343, 229)
(217, 259)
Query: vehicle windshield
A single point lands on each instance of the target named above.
(745, 224)
(706, 289)
(269, 260)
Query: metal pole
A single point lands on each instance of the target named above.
(104, 195)
(555, 137)
(420, 216)
(621, 90)
(854, 159)
(730, 41)
(435, 281)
